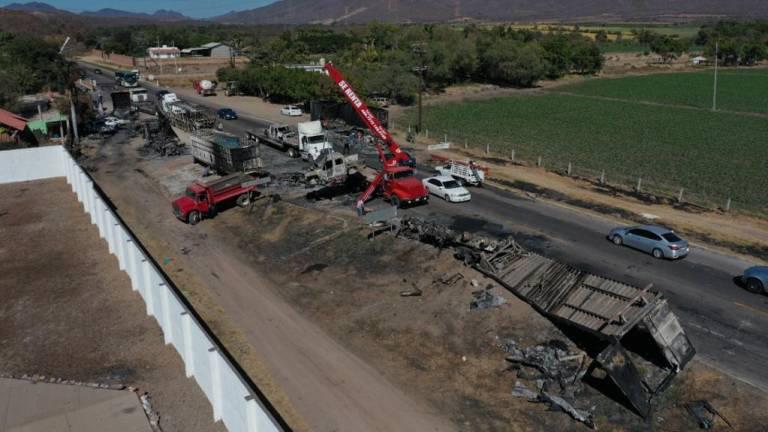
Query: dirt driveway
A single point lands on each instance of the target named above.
(313, 380)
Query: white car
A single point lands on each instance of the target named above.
(291, 110)
(447, 188)
(114, 122)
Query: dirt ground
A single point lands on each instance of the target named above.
(434, 345)
(68, 312)
(431, 347)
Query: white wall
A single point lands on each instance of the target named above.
(232, 399)
(31, 164)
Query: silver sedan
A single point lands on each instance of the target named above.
(659, 241)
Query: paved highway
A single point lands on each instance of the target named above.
(725, 323)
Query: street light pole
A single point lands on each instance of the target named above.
(420, 51)
(714, 90)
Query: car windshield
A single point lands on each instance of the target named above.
(451, 184)
(671, 237)
(402, 174)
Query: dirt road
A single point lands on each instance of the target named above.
(329, 387)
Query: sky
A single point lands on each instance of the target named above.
(192, 8)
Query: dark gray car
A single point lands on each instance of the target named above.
(659, 241)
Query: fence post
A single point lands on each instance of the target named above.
(728, 204)
(487, 149)
(538, 162)
(680, 196)
(445, 137)
(639, 183)
(569, 168)
(465, 144)
(426, 133)
(512, 156)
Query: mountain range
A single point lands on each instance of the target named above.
(39, 8)
(358, 11)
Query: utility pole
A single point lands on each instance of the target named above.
(714, 90)
(419, 50)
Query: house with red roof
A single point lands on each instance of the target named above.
(14, 131)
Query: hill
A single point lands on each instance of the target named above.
(356, 11)
(160, 15)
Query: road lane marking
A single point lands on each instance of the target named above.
(752, 308)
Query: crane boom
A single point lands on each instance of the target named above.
(399, 157)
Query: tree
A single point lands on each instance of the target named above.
(667, 48)
(601, 36)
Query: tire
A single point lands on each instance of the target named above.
(657, 253)
(243, 200)
(395, 201)
(755, 286)
(617, 240)
(193, 218)
(447, 198)
(292, 153)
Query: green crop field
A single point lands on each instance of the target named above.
(738, 90)
(719, 154)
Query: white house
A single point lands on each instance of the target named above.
(163, 52)
(699, 60)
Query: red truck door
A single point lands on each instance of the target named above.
(203, 203)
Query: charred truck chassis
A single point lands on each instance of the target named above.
(605, 309)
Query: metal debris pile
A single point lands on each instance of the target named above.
(605, 309)
(556, 372)
(485, 299)
(160, 140)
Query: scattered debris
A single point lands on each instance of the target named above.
(450, 279)
(705, 414)
(606, 309)
(554, 362)
(580, 415)
(413, 292)
(485, 299)
(520, 390)
(152, 415)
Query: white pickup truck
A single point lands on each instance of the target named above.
(468, 173)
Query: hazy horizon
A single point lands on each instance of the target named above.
(190, 8)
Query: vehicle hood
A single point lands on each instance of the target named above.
(183, 204)
(409, 188)
(760, 271)
(459, 191)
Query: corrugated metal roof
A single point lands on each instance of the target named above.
(10, 119)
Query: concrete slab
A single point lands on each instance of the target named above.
(43, 407)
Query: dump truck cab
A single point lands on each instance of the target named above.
(401, 186)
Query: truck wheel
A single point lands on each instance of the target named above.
(243, 200)
(395, 201)
(292, 153)
(193, 218)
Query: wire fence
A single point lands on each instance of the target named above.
(610, 180)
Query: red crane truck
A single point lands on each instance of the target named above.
(202, 199)
(396, 180)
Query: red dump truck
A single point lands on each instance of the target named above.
(204, 199)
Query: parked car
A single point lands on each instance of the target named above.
(447, 188)
(226, 114)
(755, 279)
(291, 110)
(659, 241)
(97, 71)
(115, 122)
(380, 101)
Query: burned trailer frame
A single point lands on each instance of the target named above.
(604, 308)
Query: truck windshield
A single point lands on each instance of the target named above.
(189, 193)
(315, 139)
(403, 174)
